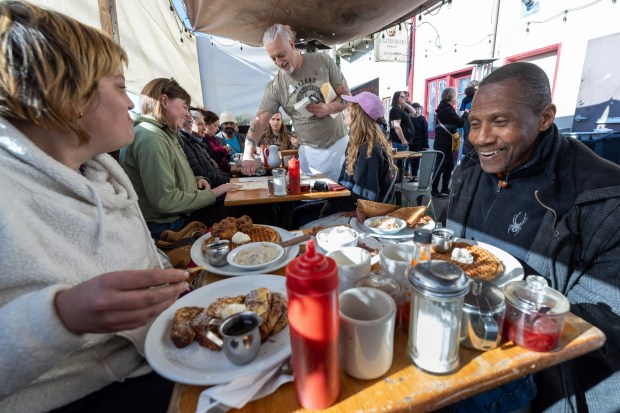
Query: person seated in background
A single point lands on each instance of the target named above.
(169, 193)
(218, 152)
(228, 136)
(276, 134)
(81, 278)
(367, 169)
(554, 205)
(196, 151)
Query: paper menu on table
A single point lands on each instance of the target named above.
(253, 182)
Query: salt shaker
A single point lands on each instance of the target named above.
(313, 316)
(439, 289)
(279, 181)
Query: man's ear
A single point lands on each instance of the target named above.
(547, 116)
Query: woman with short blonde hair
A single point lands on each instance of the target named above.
(81, 278)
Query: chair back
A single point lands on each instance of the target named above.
(388, 195)
(427, 168)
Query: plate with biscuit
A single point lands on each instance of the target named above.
(179, 346)
(489, 263)
(241, 231)
(369, 211)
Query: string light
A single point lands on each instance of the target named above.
(454, 47)
(383, 35)
(241, 48)
(489, 38)
(565, 13)
(366, 44)
(527, 29)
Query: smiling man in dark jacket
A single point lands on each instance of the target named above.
(555, 206)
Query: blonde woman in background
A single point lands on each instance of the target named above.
(81, 278)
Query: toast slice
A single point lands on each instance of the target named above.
(411, 215)
(375, 209)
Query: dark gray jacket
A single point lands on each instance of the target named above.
(577, 249)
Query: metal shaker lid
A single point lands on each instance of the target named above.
(439, 279)
(534, 296)
(484, 298)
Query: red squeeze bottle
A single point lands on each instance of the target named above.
(312, 289)
(294, 184)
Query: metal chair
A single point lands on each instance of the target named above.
(387, 199)
(412, 193)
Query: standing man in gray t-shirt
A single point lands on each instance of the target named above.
(323, 135)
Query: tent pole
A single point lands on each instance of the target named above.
(108, 19)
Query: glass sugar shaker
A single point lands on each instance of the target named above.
(279, 181)
(439, 290)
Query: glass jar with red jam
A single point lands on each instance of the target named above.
(534, 314)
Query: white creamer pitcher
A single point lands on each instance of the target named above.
(272, 156)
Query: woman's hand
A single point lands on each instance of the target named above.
(203, 184)
(222, 189)
(121, 300)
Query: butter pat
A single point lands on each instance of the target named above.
(462, 255)
(231, 309)
(240, 238)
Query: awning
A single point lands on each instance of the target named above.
(328, 21)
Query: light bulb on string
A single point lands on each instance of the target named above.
(489, 38)
(366, 44)
(565, 13)
(383, 35)
(527, 29)
(455, 48)
(241, 47)
(399, 28)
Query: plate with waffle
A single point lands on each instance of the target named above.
(195, 361)
(490, 263)
(255, 232)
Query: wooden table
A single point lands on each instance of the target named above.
(399, 158)
(262, 196)
(405, 387)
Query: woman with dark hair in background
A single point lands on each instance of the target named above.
(218, 152)
(470, 91)
(446, 123)
(401, 128)
(276, 134)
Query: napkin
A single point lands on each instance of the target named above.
(239, 392)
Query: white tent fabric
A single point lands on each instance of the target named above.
(233, 79)
(150, 36)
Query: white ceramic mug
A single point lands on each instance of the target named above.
(367, 323)
(395, 261)
(353, 264)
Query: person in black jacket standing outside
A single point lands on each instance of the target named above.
(446, 123)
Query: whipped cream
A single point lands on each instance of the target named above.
(462, 255)
(240, 238)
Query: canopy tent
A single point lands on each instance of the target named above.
(330, 22)
(149, 33)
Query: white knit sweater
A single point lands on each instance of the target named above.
(59, 227)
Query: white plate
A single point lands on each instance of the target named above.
(199, 258)
(366, 239)
(404, 234)
(198, 365)
(230, 258)
(513, 271)
(378, 230)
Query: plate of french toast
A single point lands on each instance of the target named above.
(413, 217)
(239, 232)
(181, 344)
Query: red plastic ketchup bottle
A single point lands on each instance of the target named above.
(294, 183)
(312, 289)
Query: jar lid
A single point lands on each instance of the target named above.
(484, 297)
(423, 236)
(379, 280)
(534, 296)
(439, 278)
(278, 171)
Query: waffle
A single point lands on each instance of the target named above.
(486, 266)
(258, 233)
